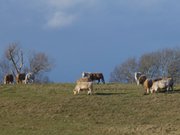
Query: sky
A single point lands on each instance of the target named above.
(89, 35)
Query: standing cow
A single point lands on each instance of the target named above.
(20, 78)
(8, 79)
(164, 83)
(94, 76)
(29, 78)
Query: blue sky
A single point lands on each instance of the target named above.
(89, 35)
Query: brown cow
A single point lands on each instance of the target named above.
(94, 76)
(20, 78)
(8, 79)
(147, 83)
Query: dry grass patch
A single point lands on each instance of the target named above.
(113, 109)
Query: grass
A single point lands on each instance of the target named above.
(120, 109)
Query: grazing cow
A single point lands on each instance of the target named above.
(164, 83)
(29, 78)
(94, 76)
(20, 78)
(8, 79)
(80, 86)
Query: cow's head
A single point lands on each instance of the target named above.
(137, 76)
(142, 79)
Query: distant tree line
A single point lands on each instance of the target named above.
(162, 63)
(15, 61)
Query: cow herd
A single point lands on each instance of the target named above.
(154, 85)
(150, 85)
(20, 78)
(87, 79)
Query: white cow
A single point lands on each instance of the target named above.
(29, 78)
(137, 76)
(83, 86)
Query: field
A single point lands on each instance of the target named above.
(114, 109)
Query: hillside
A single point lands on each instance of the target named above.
(114, 109)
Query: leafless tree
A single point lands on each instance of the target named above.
(162, 63)
(125, 71)
(15, 55)
(39, 64)
(149, 64)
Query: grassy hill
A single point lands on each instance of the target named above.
(114, 109)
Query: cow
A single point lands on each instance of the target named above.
(136, 76)
(152, 85)
(81, 86)
(147, 83)
(8, 79)
(29, 78)
(94, 76)
(20, 78)
(164, 83)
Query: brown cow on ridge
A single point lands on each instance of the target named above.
(94, 76)
(8, 79)
(20, 78)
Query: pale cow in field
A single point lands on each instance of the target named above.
(164, 83)
(8, 79)
(82, 85)
(29, 78)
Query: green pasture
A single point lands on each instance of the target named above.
(113, 109)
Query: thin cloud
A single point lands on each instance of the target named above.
(60, 12)
(60, 19)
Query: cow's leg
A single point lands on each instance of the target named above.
(151, 90)
(78, 90)
(74, 91)
(172, 88)
(98, 81)
(89, 91)
(147, 91)
(103, 81)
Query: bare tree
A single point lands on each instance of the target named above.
(39, 64)
(125, 72)
(174, 67)
(162, 63)
(149, 64)
(15, 55)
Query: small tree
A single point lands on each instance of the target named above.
(124, 72)
(15, 55)
(39, 64)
